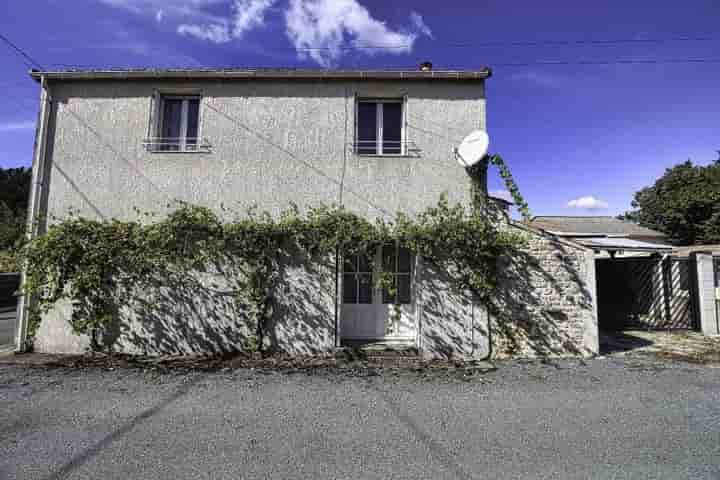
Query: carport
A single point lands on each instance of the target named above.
(641, 280)
(642, 285)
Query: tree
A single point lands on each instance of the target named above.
(15, 188)
(684, 204)
(14, 193)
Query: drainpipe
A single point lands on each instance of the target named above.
(36, 194)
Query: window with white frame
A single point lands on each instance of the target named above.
(360, 276)
(380, 127)
(178, 123)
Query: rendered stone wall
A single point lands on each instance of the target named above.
(545, 306)
(272, 143)
(199, 314)
(452, 324)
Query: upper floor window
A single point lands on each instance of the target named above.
(380, 129)
(178, 123)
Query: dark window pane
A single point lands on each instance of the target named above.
(192, 121)
(367, 128)
(387, 297)
(392, 128)
(403, 288)
(404, 261)
(388, 258)
(364, 263)
(349, 264)
(170, 130)
(349, 289)
(365, 288)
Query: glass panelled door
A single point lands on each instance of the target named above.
(372, 311)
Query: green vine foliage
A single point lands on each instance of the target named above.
(9, 261)
(98, 264)
(510, 184)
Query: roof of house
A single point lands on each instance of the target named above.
(592, 226)
(262, 73)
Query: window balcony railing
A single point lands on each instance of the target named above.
(385, 147)
(177, 144)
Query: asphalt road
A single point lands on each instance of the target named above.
(610, 418)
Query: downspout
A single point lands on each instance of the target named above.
(36, 195)
(338, 254)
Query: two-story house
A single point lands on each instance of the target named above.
(111, 142)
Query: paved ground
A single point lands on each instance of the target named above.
(674, 344)
(608, 418)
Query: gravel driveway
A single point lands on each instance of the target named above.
(607, 418)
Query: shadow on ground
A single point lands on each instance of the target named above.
(616, 341)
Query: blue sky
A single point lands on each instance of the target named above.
(567, 131)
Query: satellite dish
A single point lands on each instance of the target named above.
(473, 148)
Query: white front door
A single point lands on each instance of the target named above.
(374, 313)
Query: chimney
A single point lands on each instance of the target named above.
(425, 66)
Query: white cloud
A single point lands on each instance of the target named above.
(420, 25)
(246, 15)
(588, 203)
(15, 126)
(180, 10)
(212, 33)
(503, 194)
(249, 14)
(321, 29)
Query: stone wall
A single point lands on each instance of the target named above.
(546, 304)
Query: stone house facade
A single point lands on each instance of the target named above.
(112, 143)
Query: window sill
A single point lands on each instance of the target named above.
(384, 155)
(172, 145)
(181, 152)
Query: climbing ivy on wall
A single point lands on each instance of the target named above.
(98, 265)
(510, 184)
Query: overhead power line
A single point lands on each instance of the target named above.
(522, 43)
(28, 60)
(629, 61)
